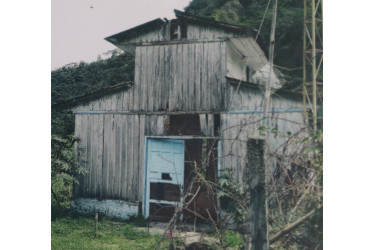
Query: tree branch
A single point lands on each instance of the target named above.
(291, 227)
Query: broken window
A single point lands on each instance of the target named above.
(164, 191)
(217, 124)
(174, 30)
(200, 157)
(178, 30)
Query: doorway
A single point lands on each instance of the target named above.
(170, 167)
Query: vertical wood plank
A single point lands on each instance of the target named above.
(184, 84)
(203, 125)
(99, 165)
(135, 165)
(94, 156)
(197, 68)
(150, 78)
(141, 157)
(179, 77)
(129, 153)
(157, 85)
(210, 125)
(173, 81)
(137, 78)
(166, 79)
(124, 157)
(117, 147)
(112, 158)
(106, 156)
(145, 82)
(160, 125)
(88, 177)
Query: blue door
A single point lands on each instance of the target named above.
(164, 168)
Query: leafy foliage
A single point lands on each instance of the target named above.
(66, 164)
(65, 168)
(234, 196)
(75, 79)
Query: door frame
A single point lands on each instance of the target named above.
(145, 209)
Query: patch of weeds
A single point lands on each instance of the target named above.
(137, 221)
(233, 239)
(79, 233)
(132, 234)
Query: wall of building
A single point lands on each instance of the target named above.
(111, 208)
(172, 79)
(114, 143)
(244, 120)
(198, 31)
(175, 77)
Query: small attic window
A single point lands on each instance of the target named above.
(178, 30)
(174, 30)
(184, 30)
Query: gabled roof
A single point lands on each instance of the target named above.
(91, 96)
(116, 39)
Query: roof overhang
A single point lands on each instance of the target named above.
(189, 18)
(133, 32)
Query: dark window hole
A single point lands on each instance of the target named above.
(166, 176)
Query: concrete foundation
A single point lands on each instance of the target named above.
(111, 208)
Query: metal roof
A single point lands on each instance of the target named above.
(249, 49)
(255, 58)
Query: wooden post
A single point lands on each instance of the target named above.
(257, 214)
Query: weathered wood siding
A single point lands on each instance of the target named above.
(184, 77)
(114, 154)
(238, 128)
(198, 32)
(175, 77)
(162, 33)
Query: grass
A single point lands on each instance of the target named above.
(79, 233)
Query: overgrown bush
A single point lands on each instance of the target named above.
(66, 166)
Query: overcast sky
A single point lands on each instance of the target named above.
(80, 26)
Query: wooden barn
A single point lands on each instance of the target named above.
(197, 97)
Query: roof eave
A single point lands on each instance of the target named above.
(183, 15)
(117, 38)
